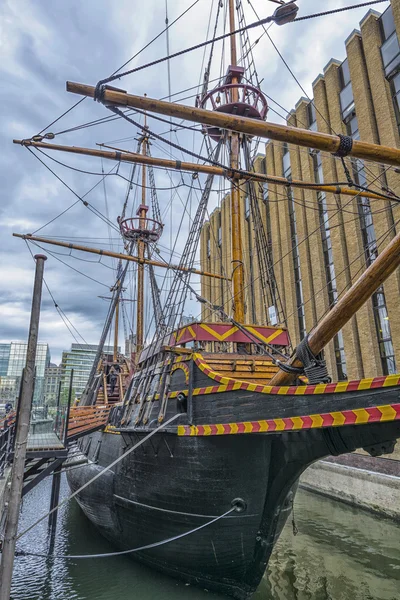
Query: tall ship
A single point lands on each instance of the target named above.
(210, 423)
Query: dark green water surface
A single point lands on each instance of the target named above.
(340, 553)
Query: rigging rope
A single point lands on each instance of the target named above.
(174, 538)
(258, 23)
(230, 170)
(338, 10)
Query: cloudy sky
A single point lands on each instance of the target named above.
(43, 44)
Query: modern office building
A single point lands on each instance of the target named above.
(320, 243)
(80, 358)
(52, 378)
(9, 389)
(4, 358)
(12, 363)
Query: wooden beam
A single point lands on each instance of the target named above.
(273, 131)
(131, 157)
(145, 261)
(347, 306)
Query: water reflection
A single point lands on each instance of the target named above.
(340, 553)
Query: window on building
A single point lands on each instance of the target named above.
(272, 316)
(295, 249)
(395, 87)
(296, 267)
(219, 230)
(312, 116)
(382, 324)
(340, 357)
(384, 334)
(390, 49)
(344, 73)
(287, 171)
(347, 101)
(329, 264)
(208, 247)
(346, 95)
(352, 127)
(265, 191)
(247, 207)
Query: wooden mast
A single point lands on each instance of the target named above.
(236, 233)
(255, 127)
(128, 257)
(143, 208)
(122, 155)
(115, 357)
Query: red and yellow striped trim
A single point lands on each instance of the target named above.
(358, 416)
(183, 367)
(228, 383)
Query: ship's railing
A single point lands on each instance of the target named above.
(85, 419)
(7, 431)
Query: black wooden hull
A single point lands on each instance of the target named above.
(172, 484)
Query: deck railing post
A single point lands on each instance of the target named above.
(68, 408)
(21, 437)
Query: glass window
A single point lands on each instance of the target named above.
(352, 128)
(390, 51)
(247, 207)
(345, 73)
(387, 22)
(220, 236)
(296, 265)
(286, 162)
(312, 116)
(384, 334)
(208, 248)
(265, 191)
(346, 101)
(329, 264)
(395, 86)
(273, 319)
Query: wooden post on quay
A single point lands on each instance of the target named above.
(56, 481)
(21, 438)
(57, 423)
(68, 407)
(54, 498)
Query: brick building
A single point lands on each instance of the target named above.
(320, 243)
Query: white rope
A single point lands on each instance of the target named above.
(121, 552)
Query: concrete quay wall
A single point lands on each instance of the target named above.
(370, 490)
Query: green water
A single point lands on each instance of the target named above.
(340, 553)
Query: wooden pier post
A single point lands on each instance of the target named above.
(56, 480)
(54, 499)
(21, 437)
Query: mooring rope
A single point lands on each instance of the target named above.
(139, 549)
(110, 466)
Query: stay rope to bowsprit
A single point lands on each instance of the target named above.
(104, 470)
(236, 507)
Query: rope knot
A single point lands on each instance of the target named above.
(345, 146)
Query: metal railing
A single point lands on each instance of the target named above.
(7, 432)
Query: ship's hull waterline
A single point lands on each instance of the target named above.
(185, 476)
